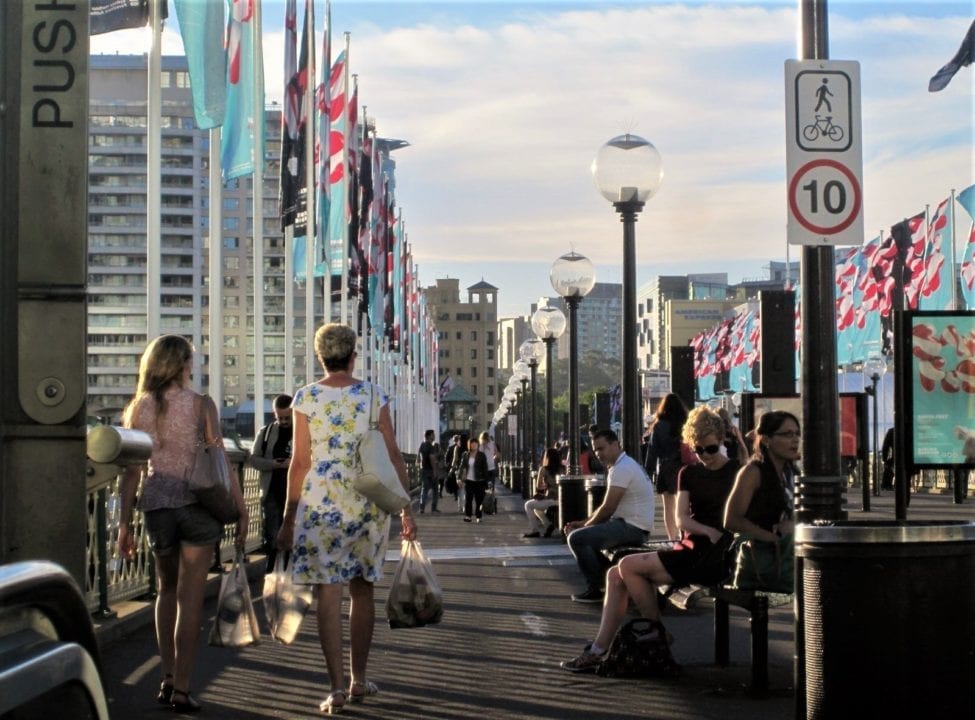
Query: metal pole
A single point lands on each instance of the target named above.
(549, 342)
(573, 302)
(875, 379)
(630, 411)
(534, 438)
(820, 492)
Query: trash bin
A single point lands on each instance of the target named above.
(572, 498)
(887, 618)
(595, 491)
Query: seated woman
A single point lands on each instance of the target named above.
(761, 502)
(545, 496)
(698, 557)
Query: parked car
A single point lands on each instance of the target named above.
(50, 666)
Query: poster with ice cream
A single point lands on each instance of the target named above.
(942, 386)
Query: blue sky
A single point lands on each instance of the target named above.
(506, 103)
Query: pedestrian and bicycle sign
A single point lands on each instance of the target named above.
(823, 152)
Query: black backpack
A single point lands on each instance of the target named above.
(640, 650)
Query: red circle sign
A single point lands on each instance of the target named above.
(854, 206)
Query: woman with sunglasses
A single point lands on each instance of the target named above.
(759, 509)
(698, 557)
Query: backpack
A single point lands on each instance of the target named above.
(639, 650)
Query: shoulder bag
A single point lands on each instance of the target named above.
(375, 476)
(209, 477)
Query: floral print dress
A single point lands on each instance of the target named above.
(339, 534)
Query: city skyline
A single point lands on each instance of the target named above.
(505, 105)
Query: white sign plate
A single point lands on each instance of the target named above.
(824, 159)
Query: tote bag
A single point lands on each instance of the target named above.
(375, 477)
(209, 478)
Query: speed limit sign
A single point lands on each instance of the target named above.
(823, 152)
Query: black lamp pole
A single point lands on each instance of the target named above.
(573, 303)
(549, 342)
(631, 410)
(533, 365)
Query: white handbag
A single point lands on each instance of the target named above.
(376, 478)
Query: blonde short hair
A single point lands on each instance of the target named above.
(334, 345)
(701, 422)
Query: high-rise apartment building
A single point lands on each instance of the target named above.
(117, 241)
(468, 342)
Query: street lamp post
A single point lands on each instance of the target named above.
(873, 369)
(531, 351)
(548, 323)
(627, 171)
(522, 374)
(572, 277)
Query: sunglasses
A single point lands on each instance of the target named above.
(709, 449)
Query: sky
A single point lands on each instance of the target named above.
(505, 104)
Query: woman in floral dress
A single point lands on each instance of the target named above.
(337, 535)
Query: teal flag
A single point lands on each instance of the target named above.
(201, 25)
(243, 130)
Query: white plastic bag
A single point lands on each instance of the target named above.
(236, 623)
(285, 602)
(415, 597)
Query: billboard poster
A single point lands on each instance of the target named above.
(849, 426)
(942, 388)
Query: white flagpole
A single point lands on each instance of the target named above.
(215, 386)
(154, 179)
(257, 232)
(310, 184)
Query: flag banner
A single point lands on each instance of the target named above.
(111, 15)
(338, 209)
(201, 25)
(322, 150)
(292, 119)
(962, 58)
(243, 131)
(857, 320)
(908, 237)
(966, 198)
(936, 283)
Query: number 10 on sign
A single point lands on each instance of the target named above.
(824, 202)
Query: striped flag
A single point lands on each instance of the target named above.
(936, 284)
(293, 118)
(338, 205)
(966, 198)
(909, 237)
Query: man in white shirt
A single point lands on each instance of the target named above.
(624, 518)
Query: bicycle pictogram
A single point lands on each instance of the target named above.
(823, 126)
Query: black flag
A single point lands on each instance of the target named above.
(110, 15)
(962, 58)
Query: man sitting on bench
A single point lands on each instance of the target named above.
(625, 516)
(698, 557)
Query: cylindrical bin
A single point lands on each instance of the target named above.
(516, 478)
(572, 498)
(887, 618)
(595, 491)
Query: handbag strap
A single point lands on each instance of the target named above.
(373, 424)
(203, 421)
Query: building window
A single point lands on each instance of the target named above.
(474, 389)
(490, 372)
(490, 390)
(490, 354)
(490, 407)
(473, 335)
(460, 372)
(473, 353)
(473, 372)
(459, 335)
(489, 341)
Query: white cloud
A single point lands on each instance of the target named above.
(504, 119)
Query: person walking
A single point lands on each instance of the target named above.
(473, 469)
(337, 536)
(490, 450)
(545, 496)
(271, 455)
(181, 532)
(428, 472)
(663, 460)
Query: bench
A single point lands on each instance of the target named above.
(756, 602)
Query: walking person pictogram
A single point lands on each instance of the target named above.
(821, 93)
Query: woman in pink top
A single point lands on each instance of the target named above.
(181, 533)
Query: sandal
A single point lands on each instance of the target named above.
(188, 705)
(165, 696)
(333, 704)
(365, 688)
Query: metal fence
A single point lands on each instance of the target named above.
(110, 579)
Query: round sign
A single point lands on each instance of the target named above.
(824, 197)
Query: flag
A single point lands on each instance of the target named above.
(936, 284)
(962, 58)
(966, 198)
(201, 25)
(908, 237)
(242, 139)
(111, 15)
(292, 149)
(338, 206)
(322, 151)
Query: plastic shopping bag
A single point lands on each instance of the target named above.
(285, 602)
(236, 622)
(415, 598)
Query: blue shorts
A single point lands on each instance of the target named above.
(168, 528)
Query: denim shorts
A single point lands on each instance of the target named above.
(168, 528)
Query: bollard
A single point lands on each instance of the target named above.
(572, 498)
